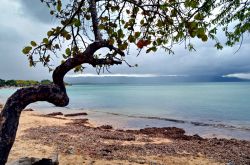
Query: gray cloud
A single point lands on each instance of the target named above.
(15, 32)
(36, 10)
(13, 64)
(29, 20)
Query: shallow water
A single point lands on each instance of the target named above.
(208, 109)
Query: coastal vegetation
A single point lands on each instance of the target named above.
(88, 27)
(25, 83)
(22, 83)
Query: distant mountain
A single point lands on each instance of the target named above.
(150, 80)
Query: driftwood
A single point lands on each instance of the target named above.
(54, 114)
(75, 114)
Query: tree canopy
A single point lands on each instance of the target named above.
(148, 24)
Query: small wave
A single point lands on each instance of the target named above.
(195, 123)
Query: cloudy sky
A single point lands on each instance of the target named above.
(24, 20)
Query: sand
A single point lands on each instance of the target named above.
(32, 147)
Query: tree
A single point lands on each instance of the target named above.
(46, 82)
(10, 83)
(2, 82)
(87, 26)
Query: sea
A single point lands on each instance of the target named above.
(209, 109)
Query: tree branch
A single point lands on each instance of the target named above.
(95, 21)
(86, 57)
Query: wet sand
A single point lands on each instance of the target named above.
(78, 141)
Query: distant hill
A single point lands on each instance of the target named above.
(151, 80)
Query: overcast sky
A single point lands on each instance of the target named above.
(24, 20)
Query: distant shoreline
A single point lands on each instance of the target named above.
(24, 83)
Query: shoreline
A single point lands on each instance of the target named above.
(120, 121)
(204, 126)
(76, 140)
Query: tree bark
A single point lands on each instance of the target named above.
(9, 117)
(55, 94)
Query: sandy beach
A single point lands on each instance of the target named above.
(78, 141)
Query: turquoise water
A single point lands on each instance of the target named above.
(198, 107)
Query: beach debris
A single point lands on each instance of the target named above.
(75, 114)
(54, 114)
(113, 144)
(118, 136)
(34, 161)
(230, 163)
(28, 109)
(106, 127)
(166, 132)
(105, 152)
(140, 161)
(70, 150)
(79, 122)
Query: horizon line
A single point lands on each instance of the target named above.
(123, 75)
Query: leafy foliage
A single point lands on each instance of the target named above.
(148, 25)
(22, 83)
(2, 82)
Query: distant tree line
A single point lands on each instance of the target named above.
(22, 83)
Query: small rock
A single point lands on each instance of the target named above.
(71, 150)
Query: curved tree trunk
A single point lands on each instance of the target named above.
(55, 94)
(9, 117)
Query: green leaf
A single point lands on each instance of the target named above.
(77, 23)
(101, 27)
(164, 6)
(33, 43)
(218, 46)
(154, 49)
(137, 34)
(59, 5)
(45, 40)
(68, 51)
(199, 16)
(204, 38)
(142, 22)
(124, 46)
(68, 37)
(49, 33)
(27, 49)
(120, 33)
(131, 38)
